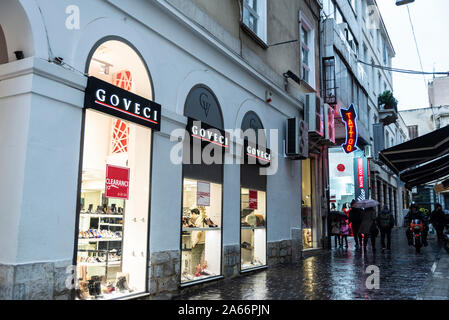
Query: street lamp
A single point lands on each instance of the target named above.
(401, 2)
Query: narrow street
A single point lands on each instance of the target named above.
(339, 274)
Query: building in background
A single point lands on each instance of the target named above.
(354, 41)
(166, 226)
(421, 121)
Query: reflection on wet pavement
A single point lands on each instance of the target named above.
(338, 274)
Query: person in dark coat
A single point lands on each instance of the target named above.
(438, 220)
(368, 228)
(355, 218)
(385, 222)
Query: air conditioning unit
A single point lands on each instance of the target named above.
(329, 124)
(314, 115)
(297, 139)
(368, 151)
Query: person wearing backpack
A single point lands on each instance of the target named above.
(385, 221)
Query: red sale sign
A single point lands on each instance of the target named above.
(117, 182)
(253, 199)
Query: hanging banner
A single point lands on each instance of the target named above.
(253, 199)
(117, 182)
(349, 117)
(203, 194)
(361, 179)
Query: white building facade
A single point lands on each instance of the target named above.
(61, 154)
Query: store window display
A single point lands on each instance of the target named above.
(201, 216)
(253, 197)
(253, 228)
(201, 230)
(306, 205)
(115, 185)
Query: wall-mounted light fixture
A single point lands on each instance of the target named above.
(402, 2)
(104, 66)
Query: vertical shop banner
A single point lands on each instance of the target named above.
(253, 199)
(361, 178)
(203, 194)
(117, 182)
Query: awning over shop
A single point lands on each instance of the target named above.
(431, 151)
(431, 171)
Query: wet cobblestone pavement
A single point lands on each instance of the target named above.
(338, 274)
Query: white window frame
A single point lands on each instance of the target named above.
(310, 47)
(261, 16)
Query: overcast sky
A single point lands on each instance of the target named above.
(431, 22)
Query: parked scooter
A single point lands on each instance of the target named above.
(416, 228)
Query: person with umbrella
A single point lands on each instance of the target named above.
(368, 226)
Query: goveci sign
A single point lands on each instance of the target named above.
(207, 134)
(256, 154)
(120, 103)
(349, 117)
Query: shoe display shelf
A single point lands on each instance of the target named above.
(101, 247)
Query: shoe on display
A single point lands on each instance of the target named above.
(198, 271)
(246, 245)
(122, 284)
(209, 223)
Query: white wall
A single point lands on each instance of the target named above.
(178, 59)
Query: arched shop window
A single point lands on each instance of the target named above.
(253, 213)
(112, 240)
(201, 217)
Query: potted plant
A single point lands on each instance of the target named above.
(387, 100)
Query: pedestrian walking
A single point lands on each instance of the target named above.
(335, 227)
(344, 232)
(368, 228)
(437, 218)
(385, 221)
(355, 218)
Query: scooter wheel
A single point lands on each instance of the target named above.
(418, 245)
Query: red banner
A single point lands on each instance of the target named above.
(360, 173)
(253, 199)
(117, 182)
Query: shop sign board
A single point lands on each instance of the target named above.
(361, 178)
(117, 182)
(203, 194)
(349, 117)
(253, 199)
(208, 134)
(256, 154)
(105, 97)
